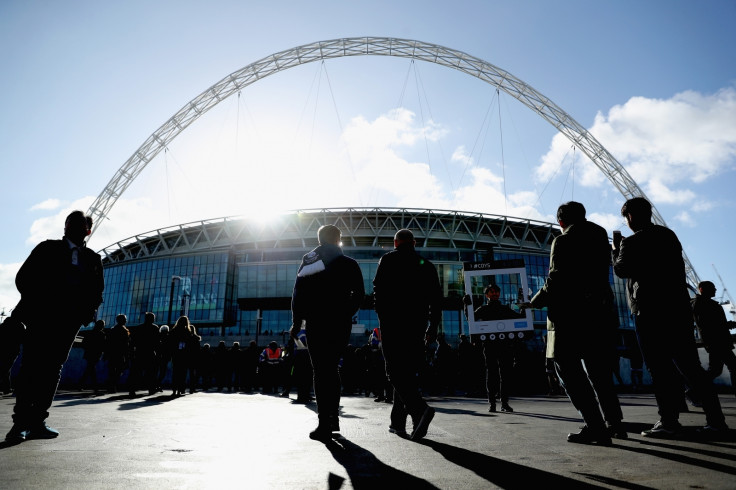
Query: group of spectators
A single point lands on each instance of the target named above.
(152, 356)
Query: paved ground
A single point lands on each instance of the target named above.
(222, 440)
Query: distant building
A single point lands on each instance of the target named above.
(234, 276)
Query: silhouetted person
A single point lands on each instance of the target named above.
(714, 332)
(144, 340)
(250, 367)
(93, 345)
(234, 361)
(269, 367)
(206, 366)
(408, 302)
(498, 354)
(328, 291)
(11, 333)
(651, 261)
(378, 381)
(61, 285)
(163, 355)
(184, 349)
(302, 369)
(221, 365)
(117, 350)
(466, 355)
(582, 323)
(445, 362)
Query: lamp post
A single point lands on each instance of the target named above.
(171, 295)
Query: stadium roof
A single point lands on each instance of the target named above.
(361, 228)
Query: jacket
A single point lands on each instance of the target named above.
(577, 290)
(50, 284)
(407, 292)
(328, 288)
(651, 261)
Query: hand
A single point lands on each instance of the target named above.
(294, 331)
(467, 300)
(617, 239)
(525, 305)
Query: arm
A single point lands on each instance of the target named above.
(435, 302)
(357, 288)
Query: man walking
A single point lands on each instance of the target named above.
(581, 322)
(714, 332)
(651, 260)
(61, 286)
(328, 291)
(408, 302)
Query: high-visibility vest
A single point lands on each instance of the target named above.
(272, 357)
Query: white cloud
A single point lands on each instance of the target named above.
(665, 145)
(685, 218)
(47, 205)
(608, 221)
(9, 295)
(52, 227)
(702, 206)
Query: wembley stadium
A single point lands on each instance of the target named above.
(234, 276)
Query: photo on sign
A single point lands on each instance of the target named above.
(493, 299)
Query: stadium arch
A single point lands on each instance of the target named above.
(371, 46)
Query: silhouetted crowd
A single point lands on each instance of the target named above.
(156, 358)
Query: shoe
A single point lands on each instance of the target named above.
(397, 430)
(617, 431)
(420, 430)
(42, 431)
(506, 408)
(321, 433)
(589, 436)
(379, 399)
(492, 408)
(660, 429)
(713, 429)
(17, 434)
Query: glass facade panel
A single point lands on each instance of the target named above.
(199, 291)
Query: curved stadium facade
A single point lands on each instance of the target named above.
(233, 277)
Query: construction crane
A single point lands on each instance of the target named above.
(725, 298)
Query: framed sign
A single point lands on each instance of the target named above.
(495, 291)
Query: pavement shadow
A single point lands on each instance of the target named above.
(674, 452)
(366, 471)
(546, 416)
(505, 474)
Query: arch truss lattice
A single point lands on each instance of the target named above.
(374, 46)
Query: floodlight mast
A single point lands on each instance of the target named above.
(376, 46)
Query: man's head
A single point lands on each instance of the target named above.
(329, 235)
(707, 289)
(570, 213)
(493, 292)
(77, 227)
(121, 319)
(149, 317)
(404, 236)
(638, 213)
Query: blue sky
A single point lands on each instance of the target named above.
(85, 83)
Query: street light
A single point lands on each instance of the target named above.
(171, 295)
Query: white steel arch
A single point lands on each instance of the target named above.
(376, 46)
